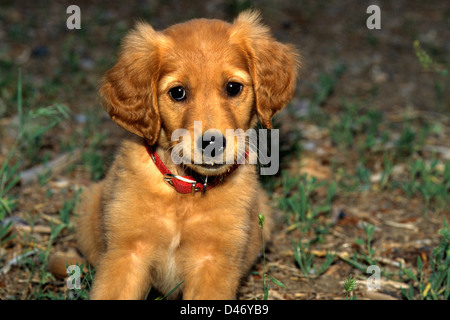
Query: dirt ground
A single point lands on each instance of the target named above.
(379, 70)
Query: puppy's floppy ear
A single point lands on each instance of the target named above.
(128, 90)
(272, 65)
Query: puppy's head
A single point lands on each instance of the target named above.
(192, 86)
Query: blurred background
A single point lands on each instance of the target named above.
(365, 142)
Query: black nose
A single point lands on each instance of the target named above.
(211, 145)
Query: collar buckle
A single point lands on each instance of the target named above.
(168, 177)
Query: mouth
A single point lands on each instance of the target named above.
(209, 169)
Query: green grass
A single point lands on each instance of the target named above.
(8, 178)
(87, 277)
(383, 156)
(432, 285)
(5, 229)
(266, 276)
(305, 260)
(367, 251)
(68, 208)
(298, 205)
(36, 124)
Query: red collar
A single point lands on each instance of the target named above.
(186, 184)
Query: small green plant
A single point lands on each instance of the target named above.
(68, 207)
(4, 231)
(406, 144)
(86, 278)
(8, 179)
(40, 266)
(93, 139)
(388, 167)
(343, 131)
(435, 284)
(297, 202)
(170, 292)
(427, 62)
(92, 159)
(439, 280)
(36, 124)
(363, 174)
(355, 128)
(31, 129)
(322, 91)
(429, 182)
(261, 220)
(304, 258)
(368, 253)
(349, 286)
(9, 175)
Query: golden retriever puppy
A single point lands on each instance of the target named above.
(155, 221)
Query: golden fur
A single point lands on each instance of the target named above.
(133, 226)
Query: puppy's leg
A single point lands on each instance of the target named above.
(89, 233)
(123, 273)
(213, 278)
(212, 266)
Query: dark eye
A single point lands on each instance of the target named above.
(233, 89)
(178, 93)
